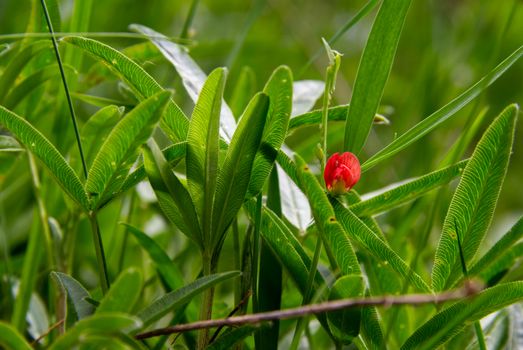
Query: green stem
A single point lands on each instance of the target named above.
(100, 255)
(208, 296)
(189, 19)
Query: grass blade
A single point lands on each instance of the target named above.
(435, 119)
(373, 72)
(473, 203)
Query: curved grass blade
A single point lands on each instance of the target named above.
(172, 301)
(454, 319)
(174, 122)
(107, 324)
(123, 294)
(76, 294)
(47, 153)
(473, 203)
(173, 197)
(279, 90)
(305, 93)
(233, 180)
(406, 191)
(192, 75)
(435, 119)
(375, 246)
(11, 339)
(373, 72)
(114, 159)
(334, 237)
(203, 146)
(166, 267)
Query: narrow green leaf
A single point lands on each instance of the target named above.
(123, 294)
(435, 119)
(76, 293)
(172, 301)
(454, 319)
(47, 153)
(166, 267)
(174, 122)
(279, 90)
(227, 340)
(371, 331)
(99, 101)
(235, 174)
(10, 339)
(392, 198)
(473, 203)
(114, 159)
(345, 324)
(373, 72)
(202, 148)
(173, 197)
(375, 246)
(107, 324)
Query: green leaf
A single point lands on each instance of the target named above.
(47, 153)
(392, 198)
(244, 90)
(370, 330)
(279, 90)
(114, 159)
(227, 340)
(174, 199)
(97, 128)
(454, 319)
(345, 324)
(123, 294)
(361, 233)
(435, 119)
(235, 174)
(334, 237)
(10, 339)
(174, 122)
(107, 324)
(76, 293)
(373, 72)
(473, 203)
(166, 267)
(172, 301)
(202, 148)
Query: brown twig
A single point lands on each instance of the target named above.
(470, 288)
(42, 336)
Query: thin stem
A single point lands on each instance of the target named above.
(64, 81)
(100, 255)
(208, 296)
(189, 19)
(256, 253)
(467, 290)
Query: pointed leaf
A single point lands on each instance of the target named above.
(11, 339)
(123, 294)
(114, 159)
(76, 293)
(174, 121)
(47, 153)
(172, 301)
(373, 72)
(473, 203)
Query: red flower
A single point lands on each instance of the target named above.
(341, 173)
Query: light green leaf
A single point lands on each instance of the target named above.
(334, 237)
(454, 319)
(373, 72)
(392, 198)
(107, 324)
(172, 301)
(359, 232)
(473, 203)
(166, 267)
(203, 146)
(76, 293)
(173, 197)
(114, 159)
(47, 153)
(235, 174)
(10, 339)
(435, 119)
(99, 101)
(279, 90)
(174, 122)
(123, 294)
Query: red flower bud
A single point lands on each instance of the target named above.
(341, 173)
